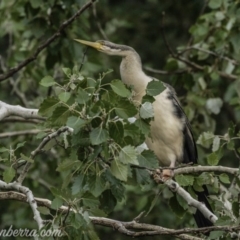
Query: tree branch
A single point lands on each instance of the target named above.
(39, 149)
(29, 198)
(22, 120)
(66, 23)
(23, 132)
(7, 110)
(141, 229)
(161, 72)
(175, 187)
(199, 169)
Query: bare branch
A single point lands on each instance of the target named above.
(234, 62)
(161, 72)
(22, 120)
(57, 34)
(99, 23)
(23, 132)
(39, 149)
(199, 169)
(16, 110)
(192, 65)
(141, 229)
(175, 187)
(29, 197)
(19, 94)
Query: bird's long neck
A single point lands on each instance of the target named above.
(133, 75)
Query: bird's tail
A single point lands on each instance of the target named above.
(198, 216)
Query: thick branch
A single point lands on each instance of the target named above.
(7, 110)
(66, 23)
(175, 187)
(29, 198)
(199, 169)
(23, 132)
(141, 229)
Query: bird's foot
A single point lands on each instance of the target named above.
(167, 174)
(162, 176)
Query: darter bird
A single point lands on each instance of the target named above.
(171, 137)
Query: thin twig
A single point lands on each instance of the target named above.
(234, 62)
(164, 36)
(22, 120)
(82, 62)
(191, 64)
(161, 72)
(66, 216)
(57, 34)
(98, 23)
(22, 132)
(24, 172)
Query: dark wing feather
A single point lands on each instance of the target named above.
(190, 155)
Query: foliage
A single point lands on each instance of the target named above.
(97, 170)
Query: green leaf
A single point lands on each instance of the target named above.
(224, 178)
(119, 88)
(146, 110)
(44, 210)
(108, 201)
(185, 180)
(47, 81)
(68, 164)
(216, 235)
(148, 159)
(176, 207)
(214, 105)
(60, 115)
(64, 96)
(96, 185)
(48, 106)
(35, 3)
(82, 96)
(214, 4)
(216, 144)
(56, 203)
(19, 145)
(98, 136)
(67, 71)
(90, 201)
(119, 170)
(77, 220)
(143, 126)
(116, 131)
(77, 186)
(3, 149)
(235, 208)
(76, 123)
(142, 176)
(128, 155)
(116, 185)
(28, 159)
(9, 174)
(212, 159)
(125, 109)
(203, 178)
(231, 145)
(155, 87)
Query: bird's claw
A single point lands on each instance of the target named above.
(162, 176)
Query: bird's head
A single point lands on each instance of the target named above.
(108, 47)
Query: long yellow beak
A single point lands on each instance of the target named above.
(95, 45)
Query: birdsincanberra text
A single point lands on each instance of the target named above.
(24, 232)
